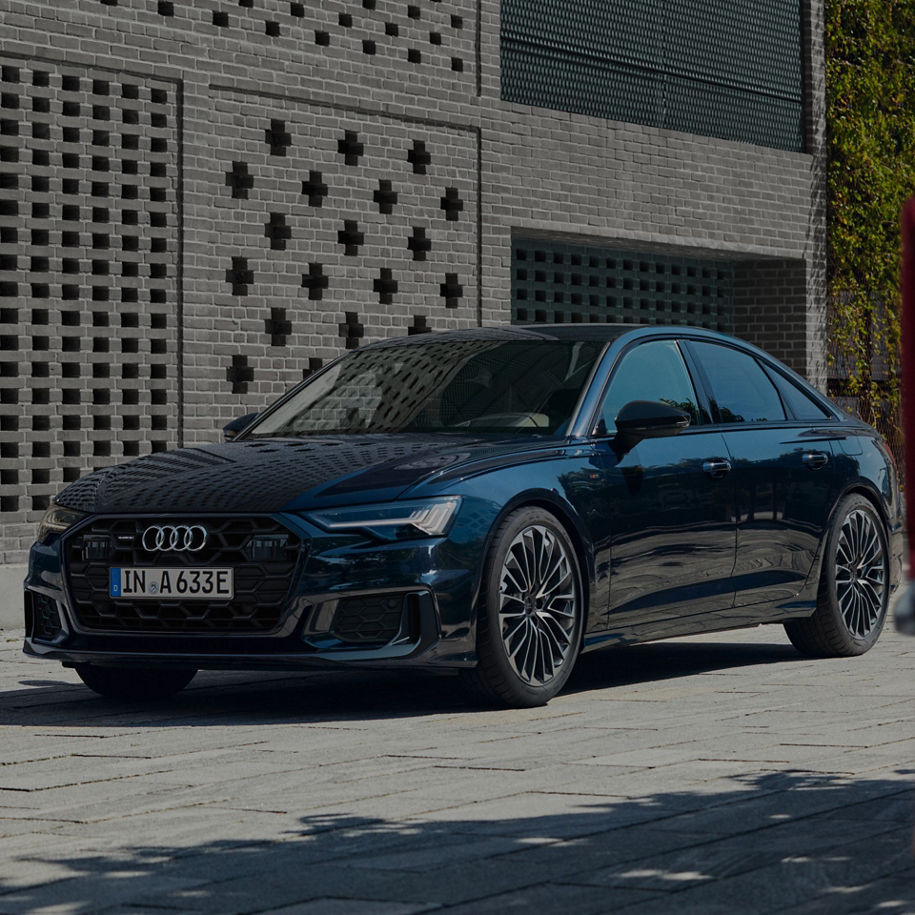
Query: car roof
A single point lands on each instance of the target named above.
(599, 332)
(591, 331)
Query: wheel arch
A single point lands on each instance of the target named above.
(571, 524)
(859, 487)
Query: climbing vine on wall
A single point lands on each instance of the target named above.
(870, 113)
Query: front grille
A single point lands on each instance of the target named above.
(368, 619)
(262, 576)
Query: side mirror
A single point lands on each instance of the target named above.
(640, 419)
(230, 430)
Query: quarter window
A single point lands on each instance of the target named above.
(652, 371)
(801, 405)
(741, 389)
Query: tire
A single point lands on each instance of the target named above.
(854, 586)
(530, 617)
(134, 683)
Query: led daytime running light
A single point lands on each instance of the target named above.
(430, 518)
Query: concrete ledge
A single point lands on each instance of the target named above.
(11, 596)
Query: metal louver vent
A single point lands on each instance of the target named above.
(714, 68)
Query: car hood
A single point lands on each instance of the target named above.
(270, 475)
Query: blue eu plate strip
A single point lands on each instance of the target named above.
(115, 583)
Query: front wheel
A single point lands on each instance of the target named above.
(854, 586)
(134, 683)
(531, 612)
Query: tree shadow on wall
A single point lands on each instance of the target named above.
(764, 843)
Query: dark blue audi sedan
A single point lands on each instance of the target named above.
(494, 501)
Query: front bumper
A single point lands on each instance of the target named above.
(417, 594)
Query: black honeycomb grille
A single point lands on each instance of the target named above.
(261, 585)
(368, 619)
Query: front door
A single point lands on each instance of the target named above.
(669, 501)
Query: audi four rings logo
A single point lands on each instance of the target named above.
(179, 537)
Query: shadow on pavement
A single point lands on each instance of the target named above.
(250, 698)
(774, 842)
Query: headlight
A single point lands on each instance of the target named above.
(431, 517)
(56, 520)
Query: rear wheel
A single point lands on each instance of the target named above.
(854, 586)
(134, 683)
(530, 617)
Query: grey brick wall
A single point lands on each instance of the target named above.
(200, 202)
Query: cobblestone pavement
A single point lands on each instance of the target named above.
(714, 774)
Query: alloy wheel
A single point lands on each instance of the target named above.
(538, 599)
(860, 573)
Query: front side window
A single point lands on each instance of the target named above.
(741, 389)
(651, 371)
(523, 387)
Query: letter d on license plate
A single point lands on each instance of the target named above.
(168, 584)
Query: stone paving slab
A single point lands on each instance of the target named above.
(720, 773)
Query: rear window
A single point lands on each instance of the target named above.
(741, 389)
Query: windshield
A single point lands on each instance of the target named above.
(524, 387)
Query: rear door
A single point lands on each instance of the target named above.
(779, 443)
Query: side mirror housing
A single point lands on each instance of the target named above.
(231, 430)
(640, 419)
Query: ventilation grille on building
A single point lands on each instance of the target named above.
(557, 283)
(88, 278)
(716, 68)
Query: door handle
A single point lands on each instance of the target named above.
(815, 459)
(716, 468)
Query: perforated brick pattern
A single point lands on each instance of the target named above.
(713, 67)
(423, 40)
(555, 283)
(331, 230)
(88, 228)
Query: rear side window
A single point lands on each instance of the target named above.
(800, 404)
(741, 389)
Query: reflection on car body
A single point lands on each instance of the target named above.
(493, 501)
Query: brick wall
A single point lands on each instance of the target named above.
(201, 202)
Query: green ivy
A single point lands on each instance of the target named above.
(870, 122)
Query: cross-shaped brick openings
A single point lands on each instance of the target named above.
(239, 374)
(385, 286)
(418, 326)
(278, 137)
(350, 147)
(351, 330)
(314, 364)
(240, 276)
(451, 290)
(315, 189)
(418, 157)
(452, 204)
(315, 282)
(239, 179)
(419, 244)
(277, 326)
(350, 237)
(277, 231)
(385, 197)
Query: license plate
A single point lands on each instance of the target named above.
(165, 584)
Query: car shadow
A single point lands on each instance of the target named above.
(268, 697)
(632, 664)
